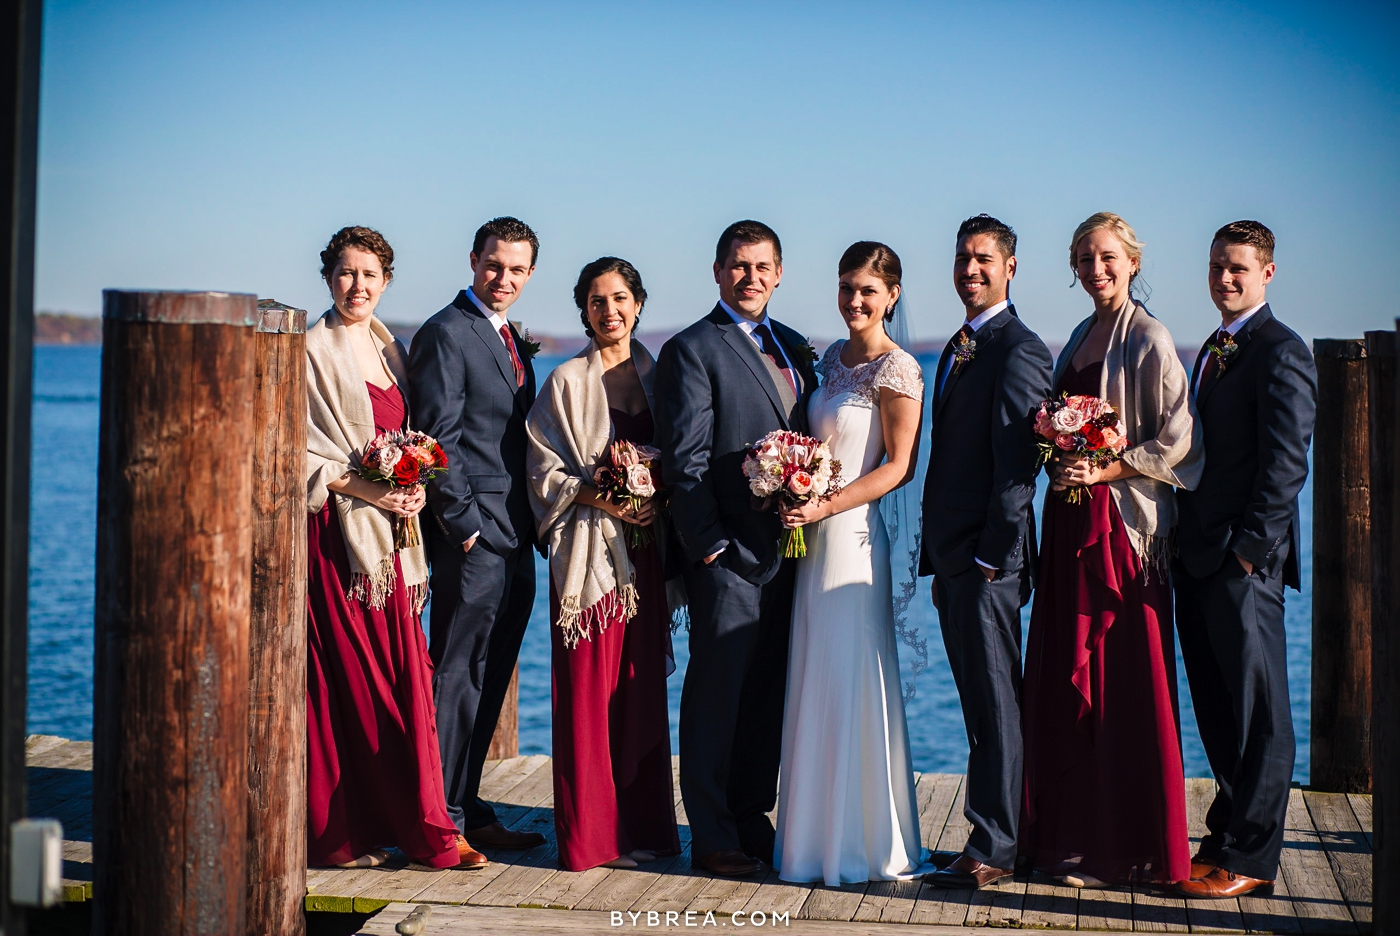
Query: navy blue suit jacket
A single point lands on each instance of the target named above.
(1257, 416)
(982, 454)
(462, 387)
(715, 397)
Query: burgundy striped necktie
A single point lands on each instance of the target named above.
(514, 357)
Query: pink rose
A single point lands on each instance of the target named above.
(1110, 437)
(1043, 426)
(1065, 442)
(800, 483)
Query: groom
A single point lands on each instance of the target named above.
(721, 385)
(979, 533)
(471, 384)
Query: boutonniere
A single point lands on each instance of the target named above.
(532, 347)
(965, 351)
(806, 352)
(1224, 352)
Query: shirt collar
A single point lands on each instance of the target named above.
(988, 315)
(1234, 327)
(496, 319)
(748, 325)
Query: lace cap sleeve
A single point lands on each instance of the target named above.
(832, 353)
(900, 372)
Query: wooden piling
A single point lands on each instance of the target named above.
(174, 552)
(1383, 349)
(506, 741)
(1341, 642)
(277, 629)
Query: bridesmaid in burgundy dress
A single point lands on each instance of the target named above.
(614, 804)
(373, 775)
(1105, 799)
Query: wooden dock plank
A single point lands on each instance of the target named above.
(625, 886)
(832, 903)
(38, 744)
(508, 774)
(888, 902)
(724, 896)
(942, 905)
(677, 890)
(1049, 905)
(1272, 914)
(1107, 909)
(1347, 849)
(1361, 808)
(1317, 899)
(1158, 910)
(775, 896)
(998, 905)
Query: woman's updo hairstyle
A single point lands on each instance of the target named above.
(878, 259)
(361, 238)
(602, 267)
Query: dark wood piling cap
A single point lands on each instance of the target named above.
(1346, 349)
(180, 308)
(276, 318)
(1381, 344)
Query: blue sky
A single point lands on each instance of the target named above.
(218, 146)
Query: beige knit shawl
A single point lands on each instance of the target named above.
(570, 431)
(340, 423)
(1144, 380)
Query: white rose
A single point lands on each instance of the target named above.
(389, 456)
(639, 481)
(1067, 419)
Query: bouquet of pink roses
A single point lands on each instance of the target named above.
(404, 458)
(632, 474)
(1080, 425)
(797, 469)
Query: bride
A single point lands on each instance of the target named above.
(846, 807)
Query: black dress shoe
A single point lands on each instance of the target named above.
(729, 863)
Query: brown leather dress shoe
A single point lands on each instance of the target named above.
(498, 836)
(730, 862)
(967, 872)
(468, 858)
(1201, 866)
(1220, 884)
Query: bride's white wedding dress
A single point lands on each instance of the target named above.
(846, 806)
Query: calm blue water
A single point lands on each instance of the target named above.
(63, 541)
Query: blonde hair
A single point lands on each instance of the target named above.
(1106, 220)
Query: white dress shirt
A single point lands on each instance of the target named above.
(497, 319)
(749, 325)
(1232, 330)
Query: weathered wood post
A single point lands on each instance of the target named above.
(506, 741)
(174, 554)
(277, 629)
(1341, 632)
(1383, 349)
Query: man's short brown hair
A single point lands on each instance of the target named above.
(748, 232)
(507, 230)
(1251, 233)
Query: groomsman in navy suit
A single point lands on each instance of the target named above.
(979, 533)
(1256, 397)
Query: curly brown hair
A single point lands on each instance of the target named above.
(362, 238)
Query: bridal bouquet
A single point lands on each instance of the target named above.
(1080, 425)
(405, 459)
(631, 475)
(797, 469)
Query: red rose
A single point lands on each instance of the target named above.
(406, 471)
(1093, 437)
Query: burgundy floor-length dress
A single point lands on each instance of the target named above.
(373, 772)
(612, 735)
(1103, 774)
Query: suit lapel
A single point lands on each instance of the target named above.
(494, 344)
(1241, 342)
(748, 352)
(983, 337)
(789, 339)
